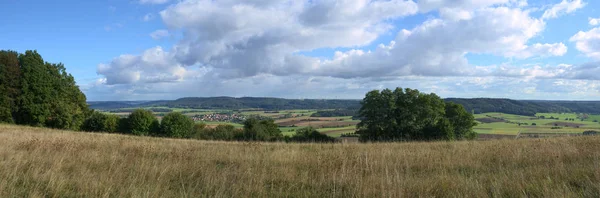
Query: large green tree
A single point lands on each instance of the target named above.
(261, 130)
(407, 114)
(10, 74)
(36, 90)
(176, 125)
(38, 93)
(142, 122)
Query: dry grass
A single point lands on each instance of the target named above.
(46, 163)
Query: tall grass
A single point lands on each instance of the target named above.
(37, 162)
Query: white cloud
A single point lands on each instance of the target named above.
(238, 46)
(564, 7)
(159, 34)
(594, 21)
(152, 66)
(588, 42)
(153, 1)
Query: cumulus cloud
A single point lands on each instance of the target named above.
(154, 65)
(588, 42)
(159, 34)
(564, 7)
(239, 45)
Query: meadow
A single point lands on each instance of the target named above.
(39, 162)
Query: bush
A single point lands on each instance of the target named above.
(223, 132)
(99, 122)
(176, 125)
(261, 130)
(142, 122)
(310, 134)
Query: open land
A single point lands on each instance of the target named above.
(39, 162)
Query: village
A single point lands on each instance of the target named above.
(215, 117)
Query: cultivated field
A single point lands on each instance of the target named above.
(498, 124)
(36, 162)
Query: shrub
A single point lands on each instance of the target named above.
(100, 122)
(142, 122)
(221, 132)
(310, 134)
(261, 130)
(176, 125)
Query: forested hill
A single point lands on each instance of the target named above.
(526, 107)
(236, 103)
(476, 105)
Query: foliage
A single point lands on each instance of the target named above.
(223, 132)
(261, 130)
(405, 115)
(100, 122)
(334, 113)
(176, 125)
(38, 93)
(142, 122)
(310, 134)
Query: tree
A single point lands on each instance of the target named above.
(10, 74)
(142, 122)
(407, 114)
(34, 108)
(100, 122)
(176, 125)
(261, 130)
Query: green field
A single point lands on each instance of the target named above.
(509, 124)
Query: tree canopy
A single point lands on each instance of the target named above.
(176, 125)
(142, 122)
(407, 114)
(39, 93)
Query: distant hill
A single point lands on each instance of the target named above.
(476, 105)
(234, 103)
(526, 107)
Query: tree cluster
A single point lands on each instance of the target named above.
(38, 93)
(254, 130)
(407, 114)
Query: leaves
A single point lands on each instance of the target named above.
(407, 114)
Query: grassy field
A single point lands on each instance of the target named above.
(37, 162)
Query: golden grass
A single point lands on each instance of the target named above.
(38, 162)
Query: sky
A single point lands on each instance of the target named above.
(326, 49)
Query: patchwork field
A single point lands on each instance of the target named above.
(543, 124)
(490, 125)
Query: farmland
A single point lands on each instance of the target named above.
(490, 125)
(543, 124)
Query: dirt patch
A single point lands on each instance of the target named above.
(338, 130)
(490, 120)
(565, 124)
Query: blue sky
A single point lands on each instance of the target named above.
(166, 49)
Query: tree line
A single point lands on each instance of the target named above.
(39, 93)
(142, 122)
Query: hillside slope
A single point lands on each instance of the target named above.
(37, 162)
